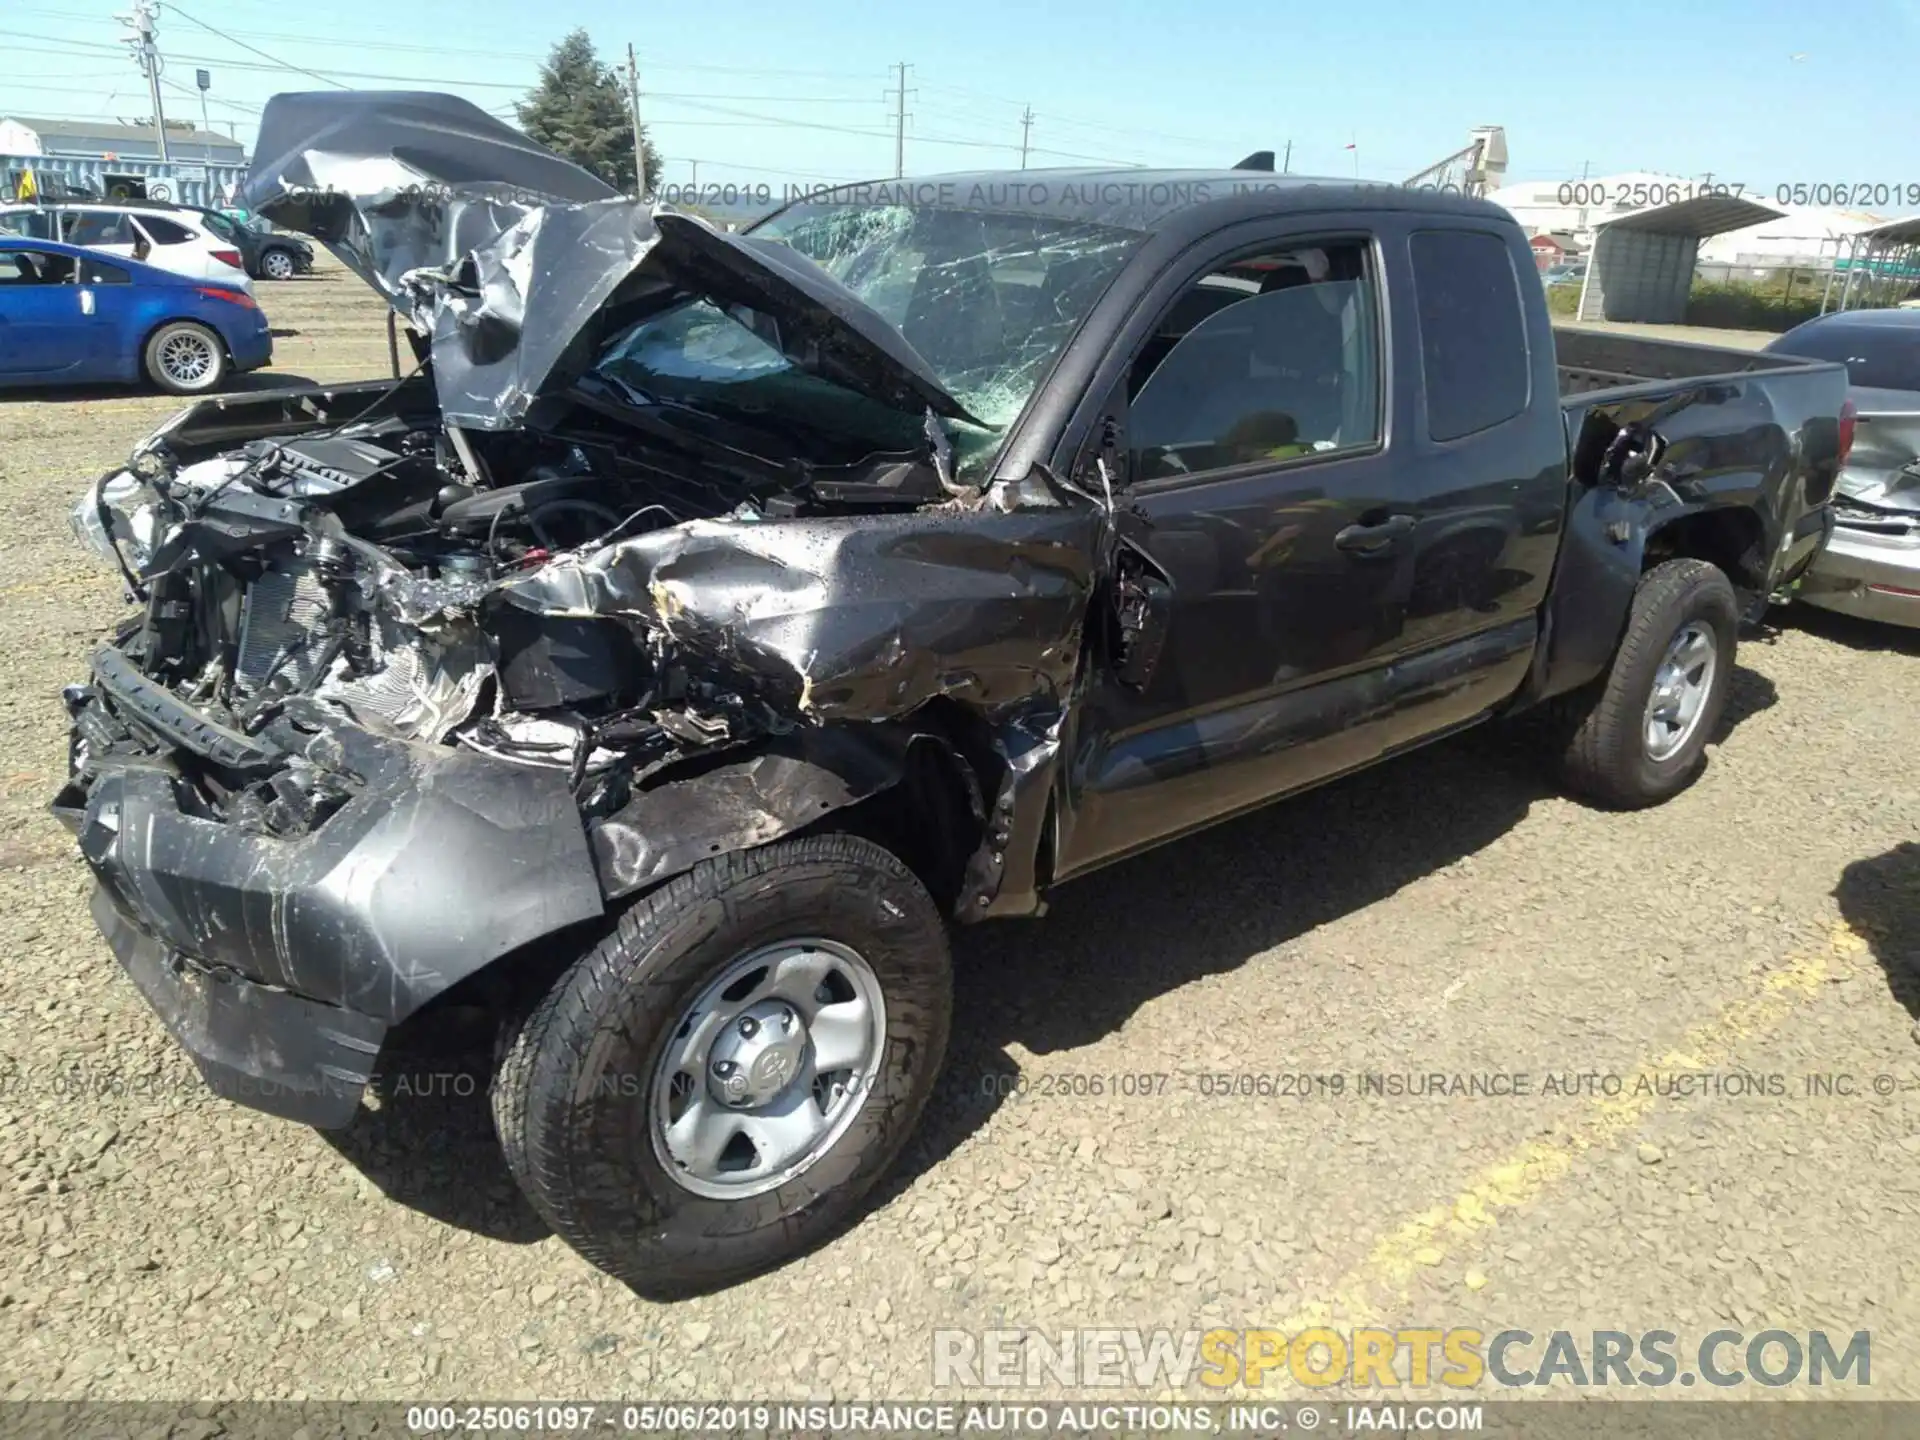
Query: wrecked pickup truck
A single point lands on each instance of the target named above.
(709, 618)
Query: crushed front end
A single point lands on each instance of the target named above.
(671, 546)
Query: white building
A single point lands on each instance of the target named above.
(26, 137)
(1804, 237)
(1576, 206)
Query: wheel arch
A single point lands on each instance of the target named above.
(146, 339)
(913, 786)
(1611, 540)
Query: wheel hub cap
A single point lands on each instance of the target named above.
(1680, 690)
(763, 1073)
(757, 1055)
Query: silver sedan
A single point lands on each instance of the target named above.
(1871, 566)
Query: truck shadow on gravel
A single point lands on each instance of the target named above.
(430, 1144)
(1111, 943)
(1879, 898)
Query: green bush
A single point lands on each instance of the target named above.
(1743, 305)
(1564, 298)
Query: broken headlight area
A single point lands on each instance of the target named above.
(359, 577)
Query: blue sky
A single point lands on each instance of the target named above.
(789, 93)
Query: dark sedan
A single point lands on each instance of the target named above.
(265, 253)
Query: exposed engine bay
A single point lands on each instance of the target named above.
(671, 545)
(365, 572)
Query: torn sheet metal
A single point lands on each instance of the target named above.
(853, 619)
(394, 181)
(505, 256)
(792, 782)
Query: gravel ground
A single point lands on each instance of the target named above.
(1447, 913)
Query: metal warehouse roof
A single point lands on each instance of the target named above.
(106, 130)
(1894, 232)
(1699, 217)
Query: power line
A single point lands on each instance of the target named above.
(254, 49)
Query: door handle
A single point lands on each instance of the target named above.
(1377, 538)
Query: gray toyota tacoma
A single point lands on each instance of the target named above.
(704, 621)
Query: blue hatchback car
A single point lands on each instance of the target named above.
(71, 316)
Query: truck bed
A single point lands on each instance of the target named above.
(1596, 360)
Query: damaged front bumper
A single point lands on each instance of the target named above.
(279, 962)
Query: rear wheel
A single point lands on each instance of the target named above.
(713, 1088)
(186, 358)
(1638, 736)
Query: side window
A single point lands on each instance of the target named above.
(163, 232)
(1273, 357)
(99, 272)
(220, 225)
(1473, 331)
(99, 227)
(42, 267)
(32, 267)
(29, 224)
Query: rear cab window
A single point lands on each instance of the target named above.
(1473, 331)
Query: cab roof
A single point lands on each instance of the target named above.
(1146, 200)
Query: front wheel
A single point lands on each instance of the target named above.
(713, 1088)
(186, 359)
(276, 265)
(1638, 736)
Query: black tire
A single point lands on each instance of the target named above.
(277, 263)
(571, 1092)
(161, 362)
(1606, 757)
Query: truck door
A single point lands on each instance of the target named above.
(1486, 459)
(1267, 526)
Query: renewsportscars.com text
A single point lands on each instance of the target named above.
(1460, 1358)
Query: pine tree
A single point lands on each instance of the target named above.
(579, 110)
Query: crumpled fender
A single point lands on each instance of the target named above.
(752, 800)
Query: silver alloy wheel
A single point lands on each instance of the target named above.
(1680, 690)
(277, 265)
(767, 1068)
(188, 357)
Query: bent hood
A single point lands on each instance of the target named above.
(506, 257)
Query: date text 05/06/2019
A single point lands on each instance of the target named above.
(1816, 194)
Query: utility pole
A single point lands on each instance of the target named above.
(1026, 128)
(639, 141)
(147, 52)
(1286, 165)
(900, 121)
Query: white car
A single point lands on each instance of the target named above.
(158, 235)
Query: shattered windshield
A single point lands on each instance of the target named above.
(988, 300)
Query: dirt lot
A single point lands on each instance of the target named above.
(1446, 914)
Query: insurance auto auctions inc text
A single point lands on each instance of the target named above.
(1456, 1358)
